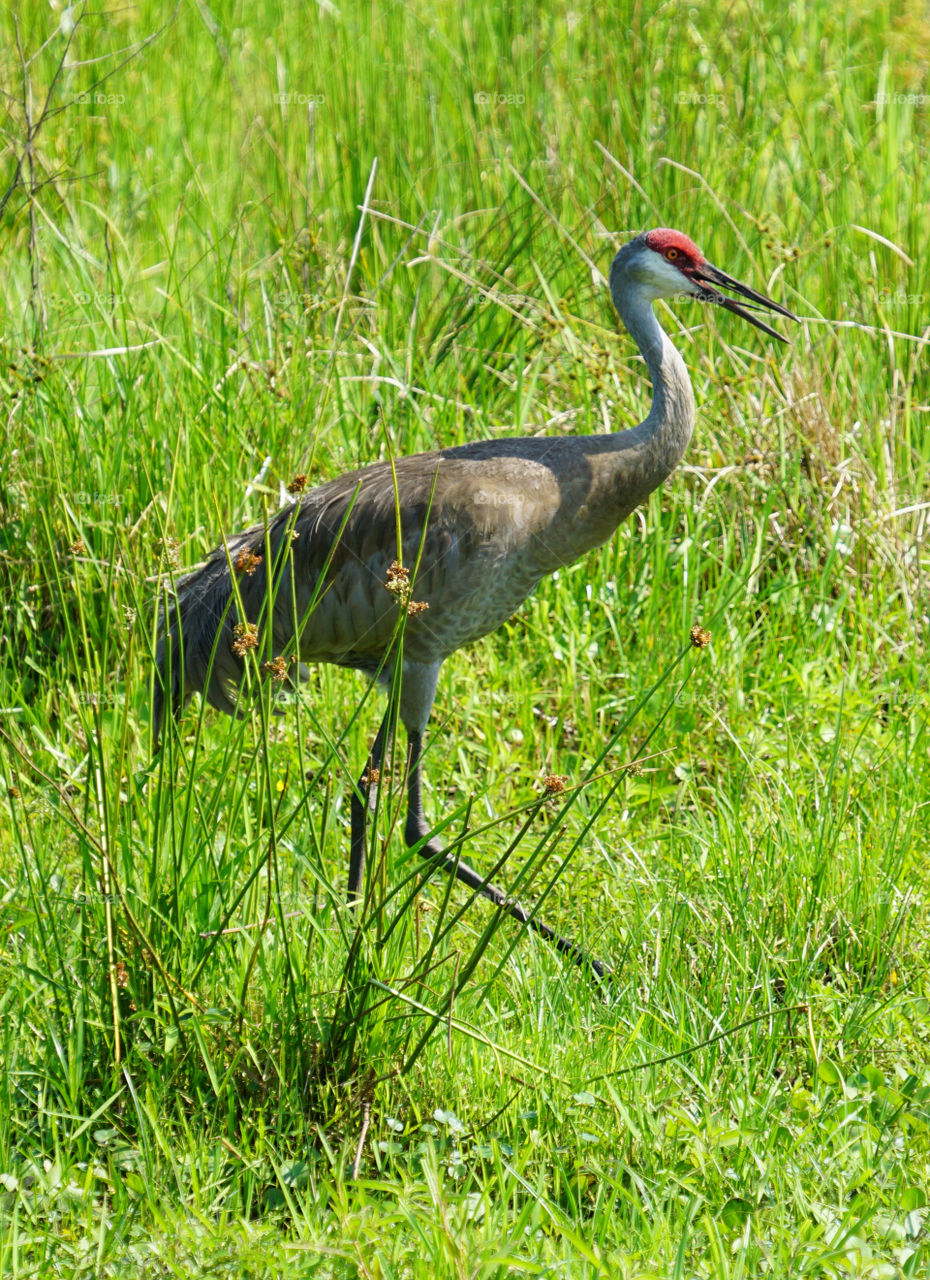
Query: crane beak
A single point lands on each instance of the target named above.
(709, 275)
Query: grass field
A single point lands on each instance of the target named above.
(250, 241)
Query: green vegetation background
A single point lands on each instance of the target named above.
(207, 1066)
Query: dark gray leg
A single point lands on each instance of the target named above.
(363, 797)
(416, 829)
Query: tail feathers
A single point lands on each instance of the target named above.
(194, 652)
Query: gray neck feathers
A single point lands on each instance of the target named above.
(659, 442)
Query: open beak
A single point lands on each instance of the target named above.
(710, 276)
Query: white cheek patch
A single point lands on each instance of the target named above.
(661, 279)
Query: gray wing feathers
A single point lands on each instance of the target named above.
(329, 558)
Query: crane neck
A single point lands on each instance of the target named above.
(659, 442)
(609, 476)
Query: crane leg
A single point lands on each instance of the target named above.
(363, 798)
(416, 829)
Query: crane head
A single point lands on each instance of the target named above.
(665, 264)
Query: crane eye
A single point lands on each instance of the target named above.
(671, 254)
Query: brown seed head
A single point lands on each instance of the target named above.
(298, 484)
(247, 561)
(276, 670)
(554, 784)
(77, 548)
(246, 634)
(700, 637)
(399, 585)
(398, 580)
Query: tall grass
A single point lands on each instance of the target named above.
(209, 1064)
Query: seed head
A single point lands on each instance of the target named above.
(298, 484)
(246, 634)
(247, 561)
(399, 585)
(398, 580)
(276, 670)
(554, 784)
(700, 637)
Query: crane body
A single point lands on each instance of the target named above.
(480, 525)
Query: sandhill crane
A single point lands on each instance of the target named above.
(480, 525)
